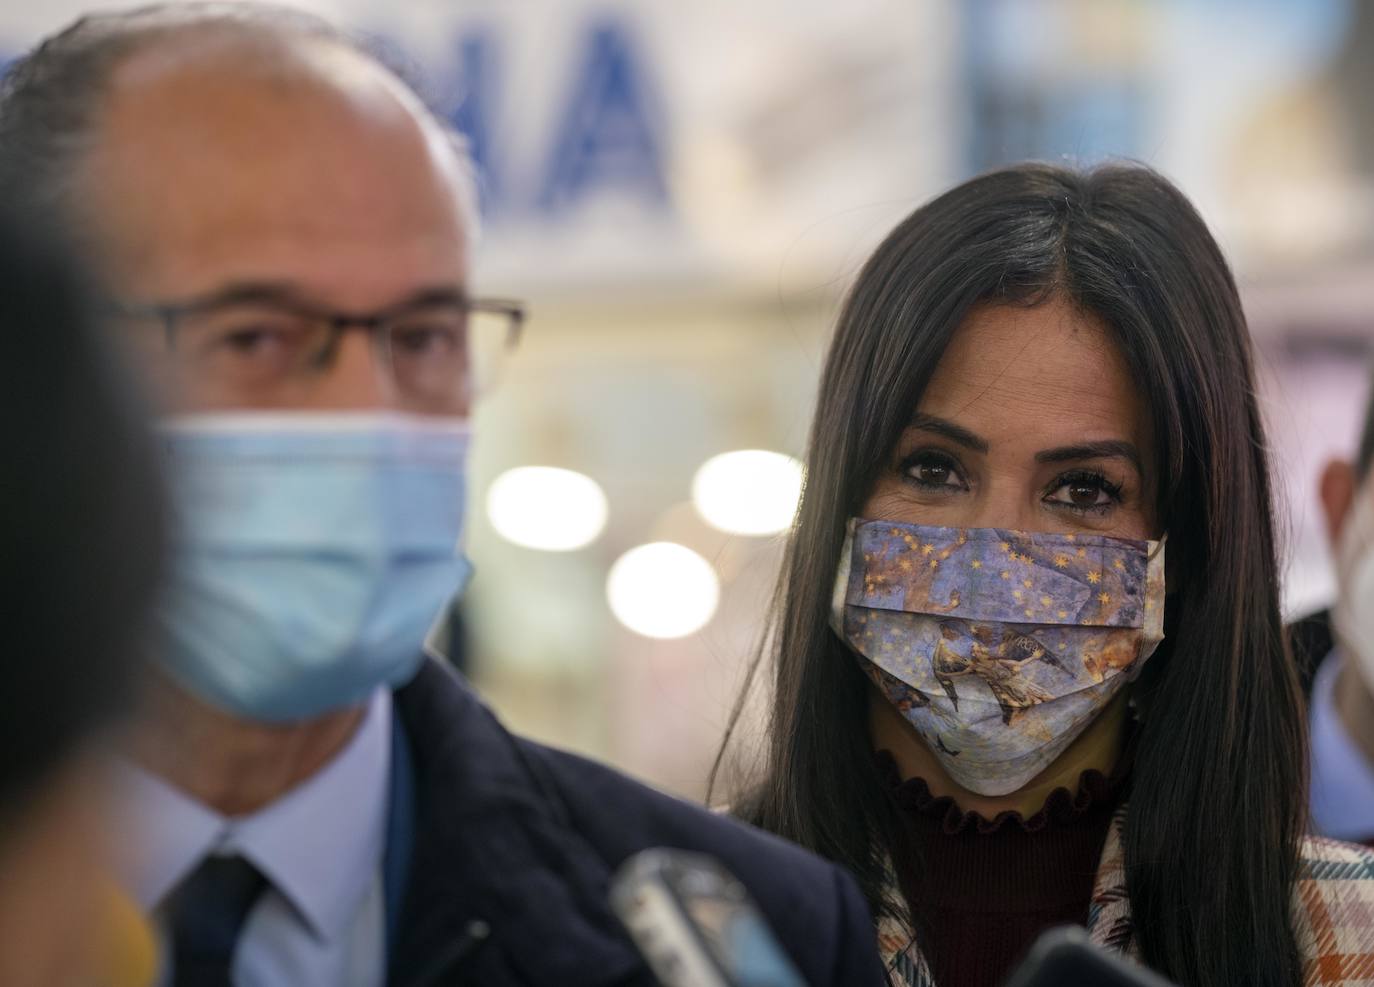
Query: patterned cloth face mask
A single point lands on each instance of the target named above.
(1000, 647)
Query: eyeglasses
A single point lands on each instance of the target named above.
(442, 350)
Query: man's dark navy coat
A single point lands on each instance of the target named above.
(523, 840)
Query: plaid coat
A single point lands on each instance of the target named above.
(1333, 912)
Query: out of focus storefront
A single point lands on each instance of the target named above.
(682, 193)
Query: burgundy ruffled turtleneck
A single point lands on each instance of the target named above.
(988, 888)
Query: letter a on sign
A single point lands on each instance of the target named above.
(607, 135)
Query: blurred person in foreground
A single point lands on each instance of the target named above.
(1339, 647)
(80, 547)
(1030, 667)
(288, 233)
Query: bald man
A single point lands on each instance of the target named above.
(287, 234)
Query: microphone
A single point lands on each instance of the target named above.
(696, 925)
(1065, 957)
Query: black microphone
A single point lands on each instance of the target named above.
(1065, 957)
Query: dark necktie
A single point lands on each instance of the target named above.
(205, 917)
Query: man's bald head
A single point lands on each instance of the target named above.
(54, 101)
(226, 151)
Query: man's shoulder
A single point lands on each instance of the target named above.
(621, 816)
(811, 904)
(573, 822)
(458, 736)
(1334, 906)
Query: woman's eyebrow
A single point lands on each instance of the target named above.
(1106, 449)
(955, 433)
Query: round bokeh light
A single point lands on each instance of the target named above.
(662, 590)
(748, 492)
(543, 507)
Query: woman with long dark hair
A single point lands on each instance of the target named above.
(1029, 662)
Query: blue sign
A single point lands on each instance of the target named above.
(607, 132)
(478, 81)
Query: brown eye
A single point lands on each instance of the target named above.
(933, 471)
(1083, 495)
(936, 474)
(1084, 492)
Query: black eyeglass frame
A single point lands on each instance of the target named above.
(170, 313)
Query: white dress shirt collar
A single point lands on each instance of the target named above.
(320, 845)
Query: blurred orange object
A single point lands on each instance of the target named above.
(130, 945)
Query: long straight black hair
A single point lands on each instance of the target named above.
(1218, 785)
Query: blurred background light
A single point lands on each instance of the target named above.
(663, 590)
(543, 507)
(748, 491)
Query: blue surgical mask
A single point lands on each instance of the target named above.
(314, 552)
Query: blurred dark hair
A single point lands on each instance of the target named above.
(1218, 787)
(81, 508)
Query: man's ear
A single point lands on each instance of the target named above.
(1337, 494)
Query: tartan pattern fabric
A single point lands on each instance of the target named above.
(1333, 915)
